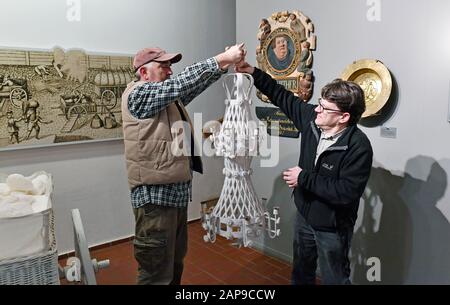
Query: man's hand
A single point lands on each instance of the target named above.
(225, 67)
(291, 176)
(236, 53)
(232, 55)
(244, 67)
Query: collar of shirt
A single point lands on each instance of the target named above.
(324, 136)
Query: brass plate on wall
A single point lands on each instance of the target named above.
(374, 78)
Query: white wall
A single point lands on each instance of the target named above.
(92, 177)
(404, 218)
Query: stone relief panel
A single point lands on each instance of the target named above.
(58, 96)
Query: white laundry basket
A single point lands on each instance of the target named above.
(37, 269)
(28, 252)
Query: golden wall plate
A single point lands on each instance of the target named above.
(374, 78)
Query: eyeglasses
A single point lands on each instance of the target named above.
(322, 108)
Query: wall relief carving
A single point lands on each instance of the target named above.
(59, 96)
(286, 42)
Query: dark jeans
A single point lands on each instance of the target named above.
(160, 244)
(330, 249)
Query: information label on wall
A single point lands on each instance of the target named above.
(284, 126)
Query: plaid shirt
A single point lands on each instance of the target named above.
(149, 99)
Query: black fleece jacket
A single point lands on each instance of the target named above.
(328, 193)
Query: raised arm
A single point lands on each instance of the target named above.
(296, 110)
(150, 98)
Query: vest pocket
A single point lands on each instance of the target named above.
(167, 156)
(157, 151)
(171, 154)
(150, 150)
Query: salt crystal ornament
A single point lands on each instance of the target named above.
(239, 214)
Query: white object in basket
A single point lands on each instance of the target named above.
(28, 234)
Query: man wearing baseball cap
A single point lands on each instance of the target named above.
(158, 176)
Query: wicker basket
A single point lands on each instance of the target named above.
(36, 269)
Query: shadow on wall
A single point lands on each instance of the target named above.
(401, 225)
(430, 261)
(385, 231)
(281, 246)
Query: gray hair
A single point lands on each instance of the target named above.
(137, 75)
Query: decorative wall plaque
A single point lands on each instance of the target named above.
(285, 51)
(49, 97)
(375, 80)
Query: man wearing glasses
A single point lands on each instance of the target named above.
(332, 173)
(158, 176)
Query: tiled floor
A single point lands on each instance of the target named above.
(205, 264)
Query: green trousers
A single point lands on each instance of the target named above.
(160, 244)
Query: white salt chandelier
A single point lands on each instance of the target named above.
(238, 215)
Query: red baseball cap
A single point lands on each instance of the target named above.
(147, 55)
